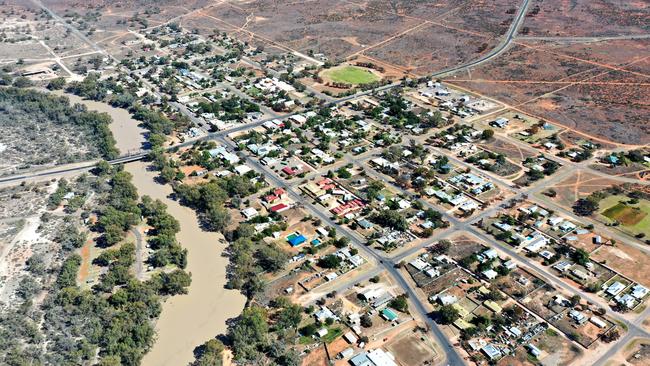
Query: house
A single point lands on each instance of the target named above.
(331, 276)
(613, 159)
(615, 288)
(492, 352)
(403, 204)
(561, 300)
(626, 300)
(577, 316)
(268, 161)
(350, 338)
(447, 299)
(346, 353)
(296, 239)
(249, 213)
(555, 220)
(361, 360)
(322, 332)
(388, 314)
(536, 244)
(379, 357)
(468, 206)
(534, 350)
(510, 264)
(322, 231)
(350, 207)
(501, 122)
(290, 170)
(550, 145)
(432, 272)
(280, 207)
(299, 119)
(325, 313)
(502, 226)
(516, 332)
(639, 292)
(271, 198)
(365, 224)
(356, 260)
(567, 226)
(490, 253)
(222, 153)
(372, 294)
(382, 300)
(490, 274)
(419, 264)
(546, 254)
(563, 266)
(598, 322)
(580, 274)
(242, 169)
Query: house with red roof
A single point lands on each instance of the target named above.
(349, 207)
(279, 208)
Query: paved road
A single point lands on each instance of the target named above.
(631, 334)
(499, 49)
(584, 39)
(451, 354)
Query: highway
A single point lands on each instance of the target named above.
(499, 49)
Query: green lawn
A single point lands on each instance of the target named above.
(633, 218)
(350, 75)
(626, 215)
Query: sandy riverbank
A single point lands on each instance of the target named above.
(189, 320)
(125, 129)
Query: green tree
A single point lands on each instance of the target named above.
(400, 303)
(249, 333)
(209, 353)
(289, 317)
(329, 261)
(271, 258)
(173, 283)
(487, 134)
(447, 314)
(56, 84)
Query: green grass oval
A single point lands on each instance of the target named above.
(351, 75)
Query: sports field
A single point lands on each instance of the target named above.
(632, 217)
(350, 75)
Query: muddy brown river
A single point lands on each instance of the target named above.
(187, 320)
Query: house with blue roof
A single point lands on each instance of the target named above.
(296, 239)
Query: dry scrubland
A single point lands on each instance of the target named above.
(581, 85)
(42, 130)
(601, 89)
(589, 18)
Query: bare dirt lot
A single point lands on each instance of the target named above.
(628, 261)
(410, 349)
(579, 185)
